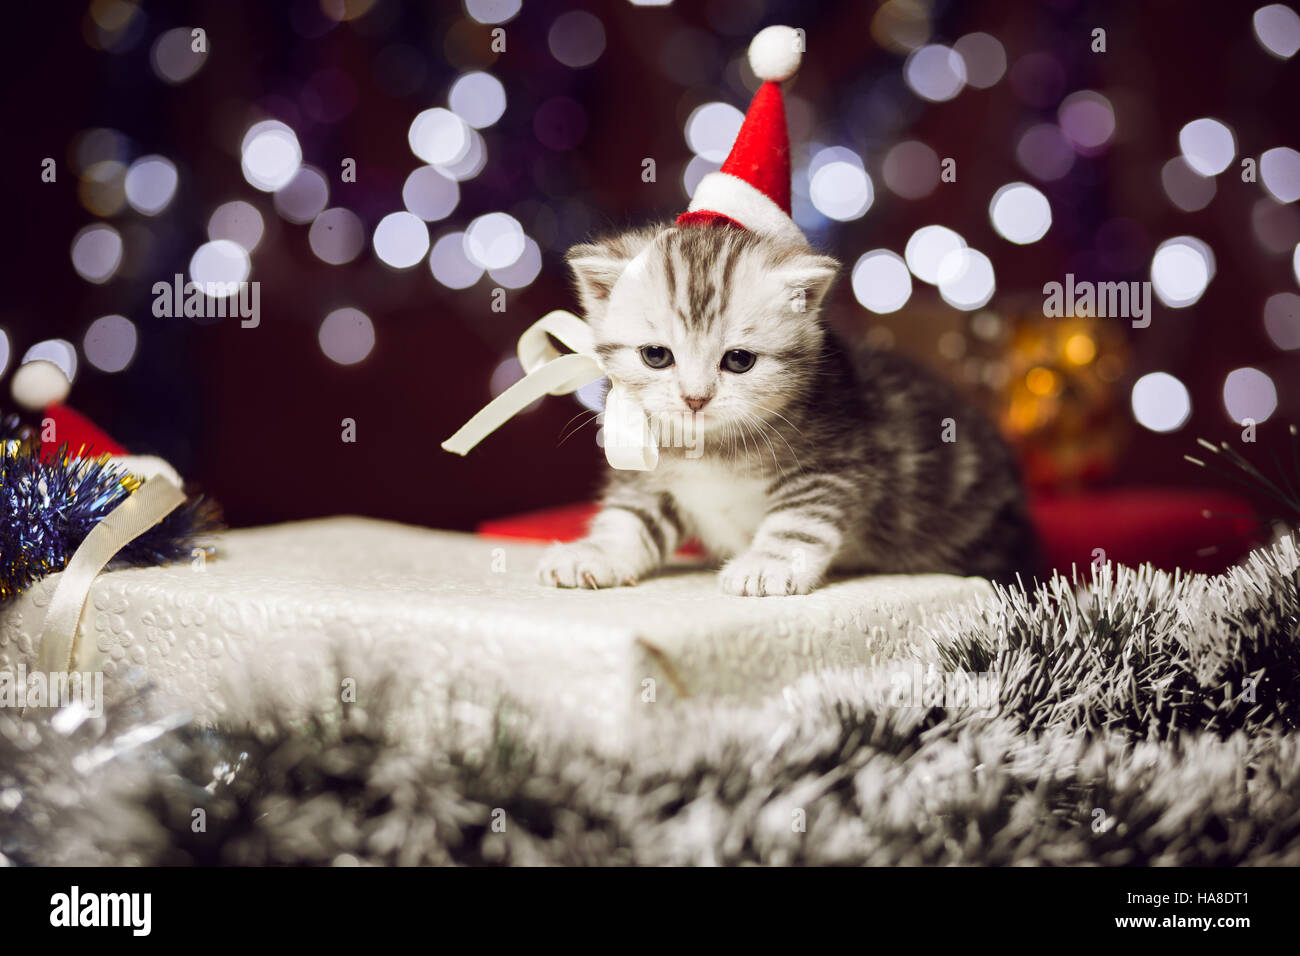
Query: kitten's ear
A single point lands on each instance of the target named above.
(597, 266)
(807, 278)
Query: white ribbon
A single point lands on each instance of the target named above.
(141, 510)
(629, 442)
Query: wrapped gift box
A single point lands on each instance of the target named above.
(286, 610)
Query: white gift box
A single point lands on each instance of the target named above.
(288, 609)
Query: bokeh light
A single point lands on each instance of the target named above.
(98, 145)
(113, 25)
(576, 39)
(97, 252)
(966, 279)
(450, 265)
(1249, 393)
(1161, 402)
(472, 163)
(305, 196)
(522, 271)
(1277, 27)
(58, 352)
(695, 170)
(711, 130)
(1279, 170)
(492, 11)
(935, 73)
(494, 241)
(1181, 269)
(1087, 120)
(218, 266)
(841, 190)
(507, 372)
(150, 184)
(430, 194)
(1020, 213)
(401, 240)
(343, 10)
(1187, 189)
(4, 351)
(926, 250)
(174, 58)
(1276, 225)
(1207, 145)
(1044, 152)
(270, 155)
(102, 188)
(110, 342)
(478, 98)
(237, 221)
(881, 282)
(1282, 320)
(337, 236)
(1080, 349)
(901, 25)
(439, 137)
(592, 396)
(984, 58)
(911, 169)
(346, 336)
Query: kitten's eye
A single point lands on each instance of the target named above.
(738, 361)
(656, 356)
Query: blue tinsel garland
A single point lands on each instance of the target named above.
(48, 506)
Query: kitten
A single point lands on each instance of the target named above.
(811, 453)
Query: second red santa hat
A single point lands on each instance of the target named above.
(752, 189)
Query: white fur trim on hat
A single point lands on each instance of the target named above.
(733, 197)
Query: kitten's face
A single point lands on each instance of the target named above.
(709, 328)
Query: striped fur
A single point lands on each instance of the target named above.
(825, 455)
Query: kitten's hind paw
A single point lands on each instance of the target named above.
(755, 574)
(582, 564)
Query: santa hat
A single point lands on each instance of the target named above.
(752, 189)
(40, 386)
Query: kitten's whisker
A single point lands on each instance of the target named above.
(778, 415)
(740, 425)
(772, 450)
(777, 432)
(580, 426)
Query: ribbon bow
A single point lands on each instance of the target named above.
(629, 442)
(137, 513)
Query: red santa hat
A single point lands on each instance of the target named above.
(752, 189)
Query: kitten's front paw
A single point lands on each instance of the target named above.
(759, 575)
(582, 564)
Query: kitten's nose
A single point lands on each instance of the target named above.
(695, 404)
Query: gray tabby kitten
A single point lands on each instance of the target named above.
(812, 454)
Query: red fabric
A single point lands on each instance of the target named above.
(1133, 526)
(565, 523)
(82, 436)
(761, 153)
(1167, 527)
(705, 217)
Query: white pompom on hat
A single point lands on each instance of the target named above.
(775, 53)
(39, 384)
